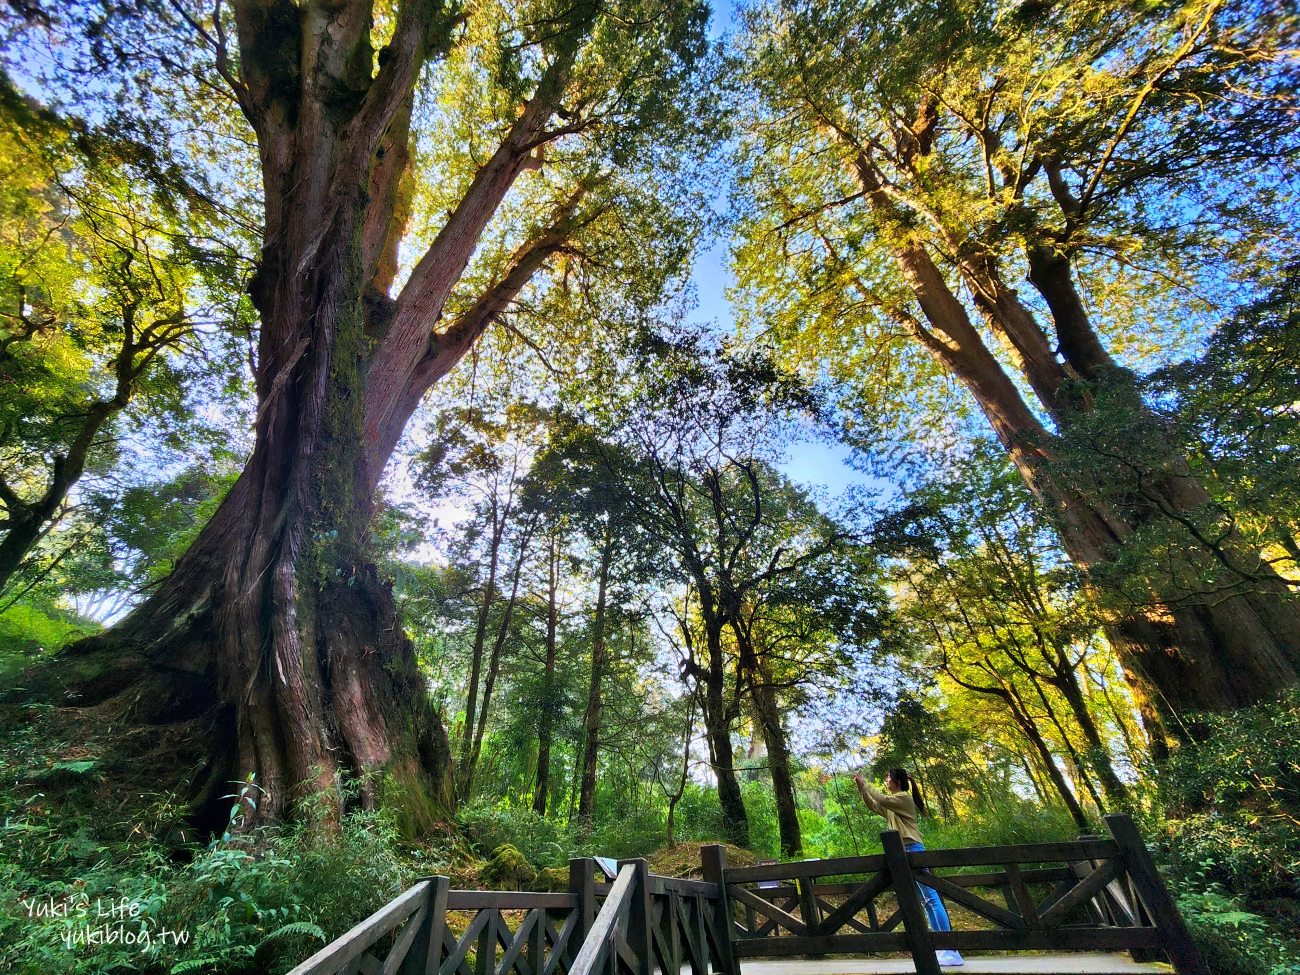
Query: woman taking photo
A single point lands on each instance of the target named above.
(900, 804)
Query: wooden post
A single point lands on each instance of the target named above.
(915, 925)
(713, 859)
(640, 937)
(426, 950)
(672, 928)
(485, 955)
(1184, 955)
(812, 917)
(536, 952)
(582, 885)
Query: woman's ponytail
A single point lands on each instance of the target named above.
(905, 781)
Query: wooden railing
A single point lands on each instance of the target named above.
(628, 926)
(1090, 894)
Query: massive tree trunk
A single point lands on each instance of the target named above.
(1182, 652)
(595, 701)
(274, 639)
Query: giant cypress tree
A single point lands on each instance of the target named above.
(917, 164)
(272, 649)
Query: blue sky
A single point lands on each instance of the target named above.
(811, 462)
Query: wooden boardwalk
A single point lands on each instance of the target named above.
(1019, 910)
(1061, 964)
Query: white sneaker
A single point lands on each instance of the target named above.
(950, 959)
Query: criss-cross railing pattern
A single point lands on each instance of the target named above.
(621, 928)
(688, 925)
(1090, 894)
(396, 938)
(477, 937)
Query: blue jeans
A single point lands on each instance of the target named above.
(934, 909)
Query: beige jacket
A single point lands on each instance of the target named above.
(898, 809)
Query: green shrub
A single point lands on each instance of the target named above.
(1227, 836)
(543, 842)
(241, 904)
(1228, 802)
(698, 815)
(508, 869)
(625, 833)
(1008, 822)
(1234, 940)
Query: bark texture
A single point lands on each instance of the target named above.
(274, 637)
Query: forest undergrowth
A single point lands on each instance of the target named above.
(1220, 817)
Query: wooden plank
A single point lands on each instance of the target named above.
(985, 909)
(713, 860)
(1020, 898)
(788, 904)
(699, 964)
(1082, 893)
(842, 944)
(852, 921)
(672, 901)
(1064, 939)
(623, 952)
(683, 885)
(508, 900)
(561, 945)
(808, 903)
(423, 956)
(598, 941)
(719, 933)
(915, 925)
(701, 931)
(449, 944)
(806, 868)
(1186, 957)
(1096, 910)
(517, 943)
(639, 934)
(402, 945)
(770, 926)
(334, 957)
(1035, 875)
(459, 949)
(1061, 939)
(536, 949)
(485, 953)
(582, 888)
(977, 856)
(768, 909)
(859, 899)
